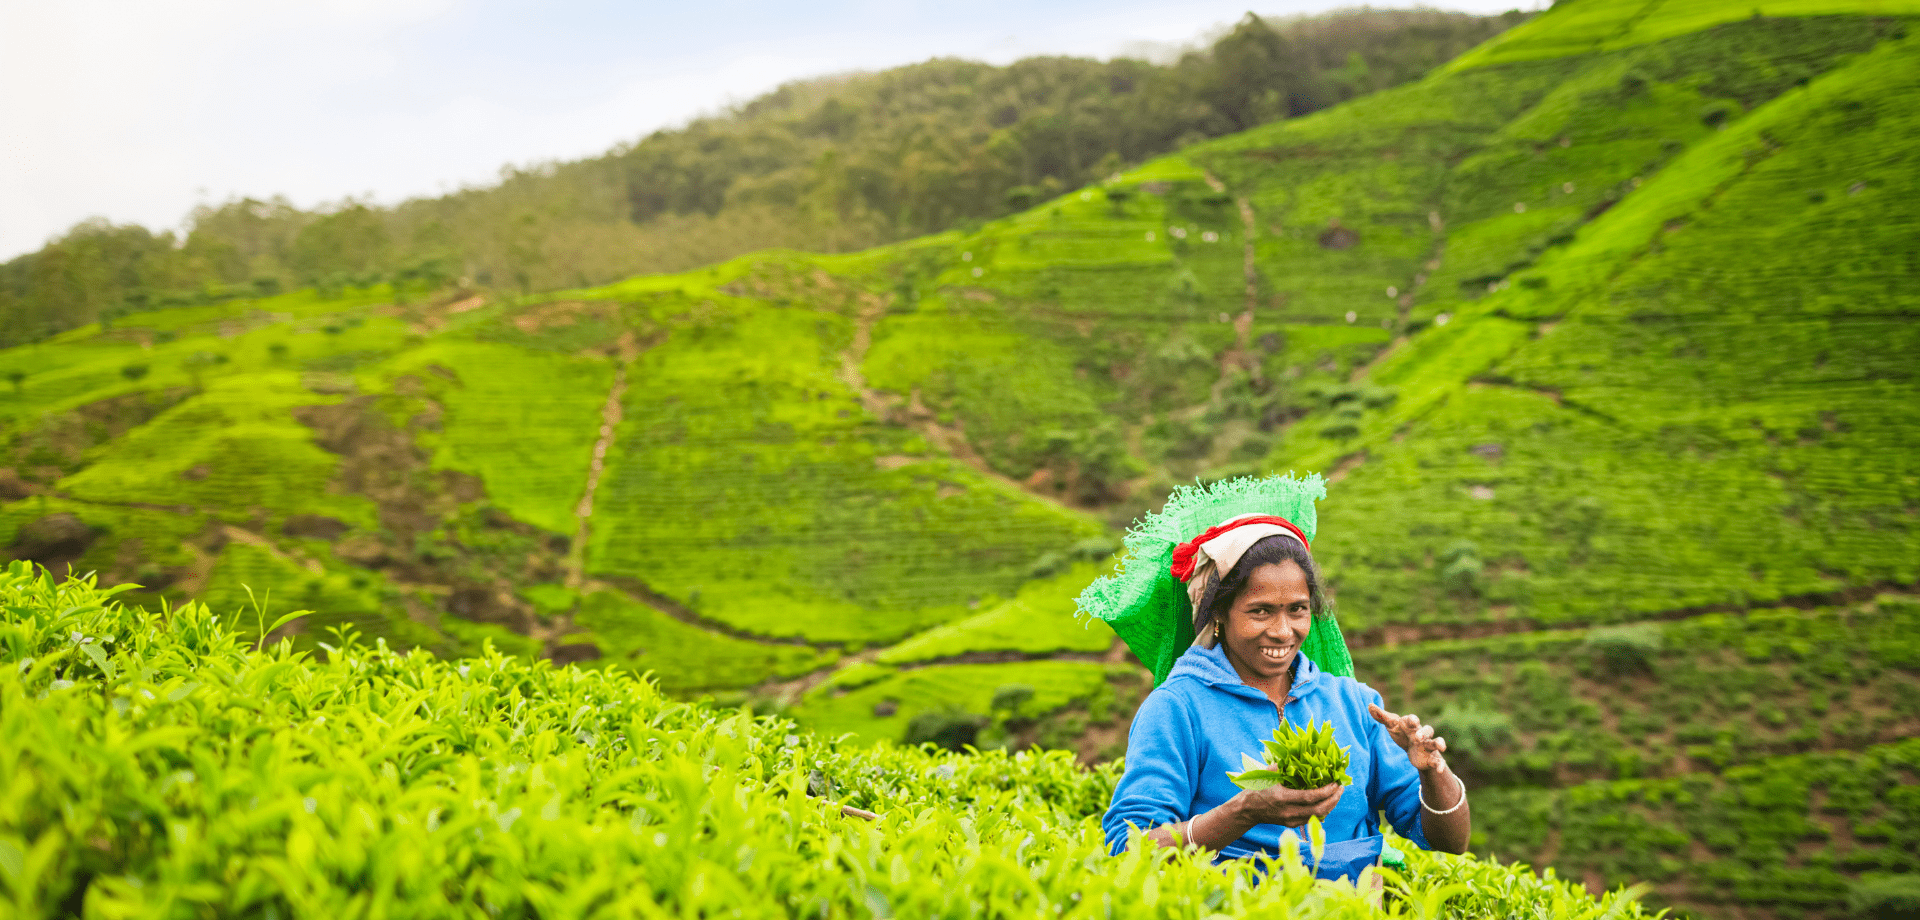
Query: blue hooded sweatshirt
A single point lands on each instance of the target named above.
(1192, 729)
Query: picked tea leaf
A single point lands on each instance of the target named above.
(1296, 759)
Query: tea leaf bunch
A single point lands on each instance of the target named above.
(1305, 758)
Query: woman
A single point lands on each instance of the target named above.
(1256, 601)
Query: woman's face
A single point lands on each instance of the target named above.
(1268, 621)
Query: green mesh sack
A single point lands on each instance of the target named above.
(1148, 608)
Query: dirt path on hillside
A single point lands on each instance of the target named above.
(948, 438)
(792, 690)
(611, 413)
(1407, 298)
(1240, 356)
(143, 506)
(583, 512)
(240, 535)
(1250, 272)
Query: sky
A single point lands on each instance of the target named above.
(139, 110)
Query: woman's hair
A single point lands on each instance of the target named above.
(1268, 551)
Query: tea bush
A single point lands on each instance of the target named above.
(1656, 699)
(167, 765)
(1790, 831)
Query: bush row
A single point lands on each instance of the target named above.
(1794, 833)
(169, 766)
(1657, 699)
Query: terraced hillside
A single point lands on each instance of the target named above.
(1604, 334)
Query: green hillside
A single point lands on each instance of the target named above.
(1604, 335)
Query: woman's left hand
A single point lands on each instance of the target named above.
(1422, 746)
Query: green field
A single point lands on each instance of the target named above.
(1605, 336)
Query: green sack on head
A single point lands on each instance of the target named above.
(1148, 608)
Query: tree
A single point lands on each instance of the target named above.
(1256, 76)
(350, 242)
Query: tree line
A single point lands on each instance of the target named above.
(828, 164)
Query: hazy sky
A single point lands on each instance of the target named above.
(136, 110)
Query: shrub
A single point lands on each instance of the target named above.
(952, 728)
(1461, 568)
(1631, 649)
(1885, 897)
(1473, 729)
(1011, 697)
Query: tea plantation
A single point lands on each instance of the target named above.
(1605, 335)
(175, 766)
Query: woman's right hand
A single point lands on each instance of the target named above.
(1288, 807)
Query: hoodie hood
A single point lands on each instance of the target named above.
(1210, 666)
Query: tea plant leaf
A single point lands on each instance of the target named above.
(284, 619)
(13, 861)
(1317, 840)
(99, 658)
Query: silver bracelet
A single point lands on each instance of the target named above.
(1190, 841)
(1456, 806)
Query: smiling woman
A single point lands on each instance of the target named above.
(1262, 629)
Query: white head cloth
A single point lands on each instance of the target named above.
(1221, 554)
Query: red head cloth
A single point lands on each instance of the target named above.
(1186, 555)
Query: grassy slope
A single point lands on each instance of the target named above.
(748, 482)
(202, 472)
(1705, 397)
(1788, 836)
(1597, 27)
(1702, 397)
(523, 420)
(1664, 698)
(1619, 337)
(1655, 357)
